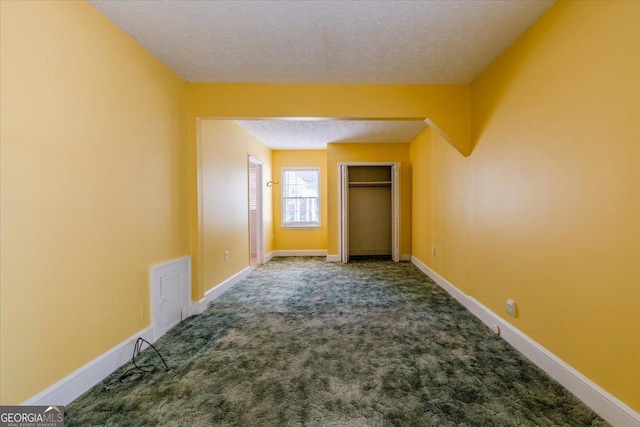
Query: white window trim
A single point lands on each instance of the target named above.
(285, 224)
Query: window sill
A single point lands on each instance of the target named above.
(301, 226)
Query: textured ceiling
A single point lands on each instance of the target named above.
(357, 42)
(315, 134)
(399, 42)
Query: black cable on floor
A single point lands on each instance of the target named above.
(137, 372)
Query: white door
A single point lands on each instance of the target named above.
(344, 213)
(170, 294)
(170, 301)
(395, 212)
(256, 235)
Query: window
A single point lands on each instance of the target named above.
(300, 197)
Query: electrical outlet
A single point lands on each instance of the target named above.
(226, 256)
(144, 309)
(433, 250)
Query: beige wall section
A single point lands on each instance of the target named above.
(93, 183)
(299, 238)
(338, 153)
(225, 149)
(552, 191)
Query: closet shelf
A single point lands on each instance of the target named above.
(370, 184)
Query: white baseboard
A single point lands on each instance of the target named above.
(602, 402)
(444, 284)
(198, 307)
(268, 257)
(215, 292)
(310, 252)
(405, 257)
(82, 379)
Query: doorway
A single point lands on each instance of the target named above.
(369, 210)
(255, 212)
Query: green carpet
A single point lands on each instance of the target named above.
(303, 342)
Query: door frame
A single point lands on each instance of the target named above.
(259, 209)
(343, 207)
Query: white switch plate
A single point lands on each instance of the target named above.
(511, 307)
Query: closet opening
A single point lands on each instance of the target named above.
(369, 211)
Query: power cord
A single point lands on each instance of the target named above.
(137, 372)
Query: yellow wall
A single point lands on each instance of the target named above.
(446, 105)
(99, 164)
(225, 150)
(440, 207)
(299, 238)
(548, 202)
(338, 153)
(93, 183)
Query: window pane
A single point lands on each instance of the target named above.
(301, 197)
